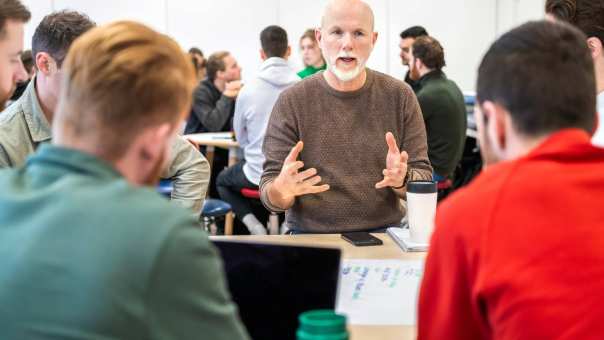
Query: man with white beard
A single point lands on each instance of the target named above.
(341, 161)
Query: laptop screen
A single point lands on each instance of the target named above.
(273, 284)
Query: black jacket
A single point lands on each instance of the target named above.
(445, 116)
(212, 111)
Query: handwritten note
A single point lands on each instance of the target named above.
(379, 292)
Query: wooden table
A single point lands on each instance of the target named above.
(223, 140)
(389, 250)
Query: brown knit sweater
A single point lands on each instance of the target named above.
(344, 139)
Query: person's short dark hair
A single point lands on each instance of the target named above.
(430, 51)
(28, 60)
(414, 32)
(587, 15)
(12, 10)
(273, 40)
(543, 74)
(57, 31)
(196, 50)
(216, 63)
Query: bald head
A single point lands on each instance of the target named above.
(338, 10)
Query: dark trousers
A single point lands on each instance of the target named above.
(229, 184)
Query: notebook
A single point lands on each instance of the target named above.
(402, 237)
(273, 284)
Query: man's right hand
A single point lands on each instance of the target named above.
(292, 182)
(232, 88)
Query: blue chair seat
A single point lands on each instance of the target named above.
(165, 187)
(214, 208)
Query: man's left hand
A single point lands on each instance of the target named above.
(396, 165)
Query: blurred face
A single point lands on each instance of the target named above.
(405, 46)
(11, 68)
(347, 40)
(413, 64)
(232, 71)
(311, 53)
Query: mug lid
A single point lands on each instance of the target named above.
(422, 187)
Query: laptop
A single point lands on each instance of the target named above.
(273, 284)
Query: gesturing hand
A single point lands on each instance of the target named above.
(396, 165)
(291, 182)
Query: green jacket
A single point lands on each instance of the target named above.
(23, 127)
(445, 116)
(85, 255)
(310, 70)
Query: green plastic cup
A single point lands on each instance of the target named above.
(323, 324)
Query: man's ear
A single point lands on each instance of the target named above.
(44, 63)
(496, 124)
(595, 47)
(263, 55)
(374, 37)
(288, 53)
(156, 141)
(318, 35)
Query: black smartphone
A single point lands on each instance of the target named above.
(361, 239)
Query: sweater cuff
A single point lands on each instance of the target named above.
(264, 198)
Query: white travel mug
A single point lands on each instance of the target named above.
(421, 209)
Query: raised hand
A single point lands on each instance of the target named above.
(396, 165)
(293, 182)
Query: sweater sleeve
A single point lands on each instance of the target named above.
(213, 116)
(190, 172)
(281, 136)
(415, 140)
(448, 308)
(188, 297)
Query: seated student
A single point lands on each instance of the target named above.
(588, 16)
(27, 123)
(214, 105)
(517, 254)
(443, 106)
(87, 249)
(252, 111)
(311, 54)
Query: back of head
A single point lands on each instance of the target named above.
(119, 79)
(12, 10)
(216, 63)
(543, 74)
(413, 32)
(57, 31)
(274, 41)
(430, 51)
(587, 15)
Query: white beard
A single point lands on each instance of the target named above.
(345, 76)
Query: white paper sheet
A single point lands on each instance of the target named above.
(379, 292)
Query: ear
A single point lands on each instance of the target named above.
(374, 37)
(44, 63)
(595, 46)
(496, 125)
(288, 53)
(263, 55)
(156, 141)
(318, 35)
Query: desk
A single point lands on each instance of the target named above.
(224, 140)
(389, 250)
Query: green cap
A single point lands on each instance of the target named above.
(323, 324)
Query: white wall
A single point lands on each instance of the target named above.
(465, 27)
